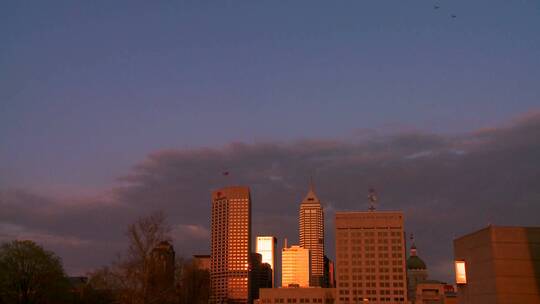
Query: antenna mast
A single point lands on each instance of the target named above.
(372, 199)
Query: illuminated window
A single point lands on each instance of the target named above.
(461, 274)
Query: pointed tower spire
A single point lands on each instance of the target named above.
(311, 197)
(413, 246)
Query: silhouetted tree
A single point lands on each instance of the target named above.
(31, 275)
(129, 279)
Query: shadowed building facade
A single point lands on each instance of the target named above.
(230, 246)
(261, 275)
(311, 220)
(266, 247)
(498, 265)
(370, 257)
(161, 271)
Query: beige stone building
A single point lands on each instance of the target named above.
(297, 295)
(311, 232)
(370, 257)
(230, 246)
(499, 265)
(295, 267)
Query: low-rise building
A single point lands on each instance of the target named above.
(434, 292)
(297, 295)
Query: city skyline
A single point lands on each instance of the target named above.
(110, 111)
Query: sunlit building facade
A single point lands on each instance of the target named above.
(498, 265)
(202, 261)
(298, 295)
(311, 230)
(370, 257)
(295, 267)
(231, 246)
(266, 247)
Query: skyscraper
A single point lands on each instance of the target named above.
(311, 220)
(266, 247)
(370, 257)
(295, 266)
(231, 246)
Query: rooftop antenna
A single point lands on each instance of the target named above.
(372, 199)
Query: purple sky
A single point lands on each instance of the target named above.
(89, 90)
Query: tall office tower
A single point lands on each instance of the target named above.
(312, 234)
(231, 246)
(266, 246)
(295, 266)
(370, 257)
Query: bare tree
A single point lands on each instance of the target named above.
(130, 277)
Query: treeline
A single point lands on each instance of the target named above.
(29, 274)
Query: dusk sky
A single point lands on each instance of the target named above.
(112, 109)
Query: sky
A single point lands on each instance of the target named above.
(112, 109)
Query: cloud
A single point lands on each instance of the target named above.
(11, 232)
(447, 185)
(182, 233)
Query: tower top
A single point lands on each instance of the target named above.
(311, 197)
(414, 262)
(413, 246)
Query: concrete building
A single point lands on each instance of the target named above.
(311, 218)
(434, 292)
(230, 246)
(266, 246)
(298, 295)
(295, 267)
(416, 272)
(370, 257)
(498, 265)
(202, 261)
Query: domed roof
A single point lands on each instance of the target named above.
(414, 262)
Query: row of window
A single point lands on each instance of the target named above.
(296, 300)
